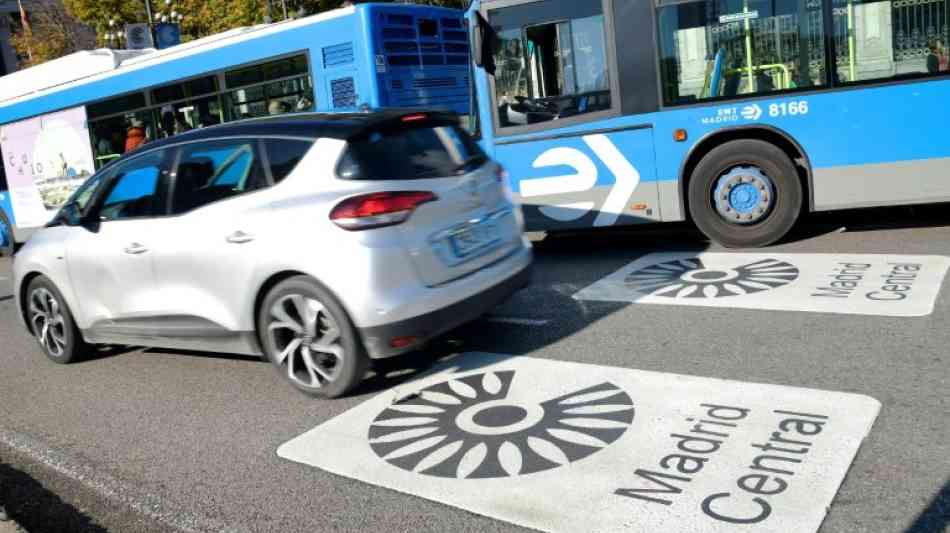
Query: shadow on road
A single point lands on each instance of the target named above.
(936, 517)
(207, 355)
(880, 218)
(99, 353)
(38, 510)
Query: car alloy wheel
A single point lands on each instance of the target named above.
(49, 325)
(307, 341)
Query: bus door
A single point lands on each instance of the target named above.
(572, 160)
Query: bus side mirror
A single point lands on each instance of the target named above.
(477, 43)
(482, 40)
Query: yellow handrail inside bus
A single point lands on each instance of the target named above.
(748, 43)
(851, 39)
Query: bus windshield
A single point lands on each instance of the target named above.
(551, 70)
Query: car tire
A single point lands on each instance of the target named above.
(52, 323)
(752, 164)
(7, 245)
(309, 338)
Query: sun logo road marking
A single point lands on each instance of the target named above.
(690, 278)
(468, 428)
(855, 284)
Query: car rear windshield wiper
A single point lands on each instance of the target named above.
(462, 167)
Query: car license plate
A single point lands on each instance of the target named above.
(474, 238)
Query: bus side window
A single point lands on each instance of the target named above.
(878, 39)
(724, 48)
(550, 60)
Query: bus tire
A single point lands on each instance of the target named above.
(7, 244)
(745, 194)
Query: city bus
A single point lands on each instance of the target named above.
(61, 121)
(739, 115)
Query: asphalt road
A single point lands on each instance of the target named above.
(187, 440)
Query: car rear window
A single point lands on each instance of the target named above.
(419, 152)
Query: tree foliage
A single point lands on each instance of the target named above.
(51, 33)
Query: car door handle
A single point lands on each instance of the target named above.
(135, 249)
(239, 237)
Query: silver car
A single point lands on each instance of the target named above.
(319, 241)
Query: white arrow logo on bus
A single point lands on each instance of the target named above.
(584, 179)
(751, 112)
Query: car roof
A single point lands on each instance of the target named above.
(342, 126)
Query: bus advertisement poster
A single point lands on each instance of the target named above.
(46, 158)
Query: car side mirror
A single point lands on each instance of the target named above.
(70, 215)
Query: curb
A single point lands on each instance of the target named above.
(116, 505)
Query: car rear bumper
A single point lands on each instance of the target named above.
(425, 327)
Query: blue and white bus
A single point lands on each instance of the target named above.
(739, 115)
(62, 120)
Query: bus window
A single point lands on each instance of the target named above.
(877, 40)
(726, 48)
(551, 61)
(274, 88)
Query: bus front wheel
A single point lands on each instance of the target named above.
(745, 194)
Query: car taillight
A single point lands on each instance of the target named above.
(379, 209)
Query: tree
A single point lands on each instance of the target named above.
(51, 33)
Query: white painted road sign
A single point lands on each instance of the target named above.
(561, 446)
(859, 284)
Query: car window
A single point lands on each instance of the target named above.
(416, 153)
(135, 191)
(283, 155)
(209, 172)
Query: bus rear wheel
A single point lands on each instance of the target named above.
(745, 194)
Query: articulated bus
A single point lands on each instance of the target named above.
(737, 114)
(62, 120)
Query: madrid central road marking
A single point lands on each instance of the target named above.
(563, 447)
(859, 284)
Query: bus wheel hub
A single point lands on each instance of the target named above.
(744, 195)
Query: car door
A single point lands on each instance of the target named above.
(208, 257)
(110, 257)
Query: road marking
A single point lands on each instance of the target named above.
(859, 284)
(517, 321)
(560, 446)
